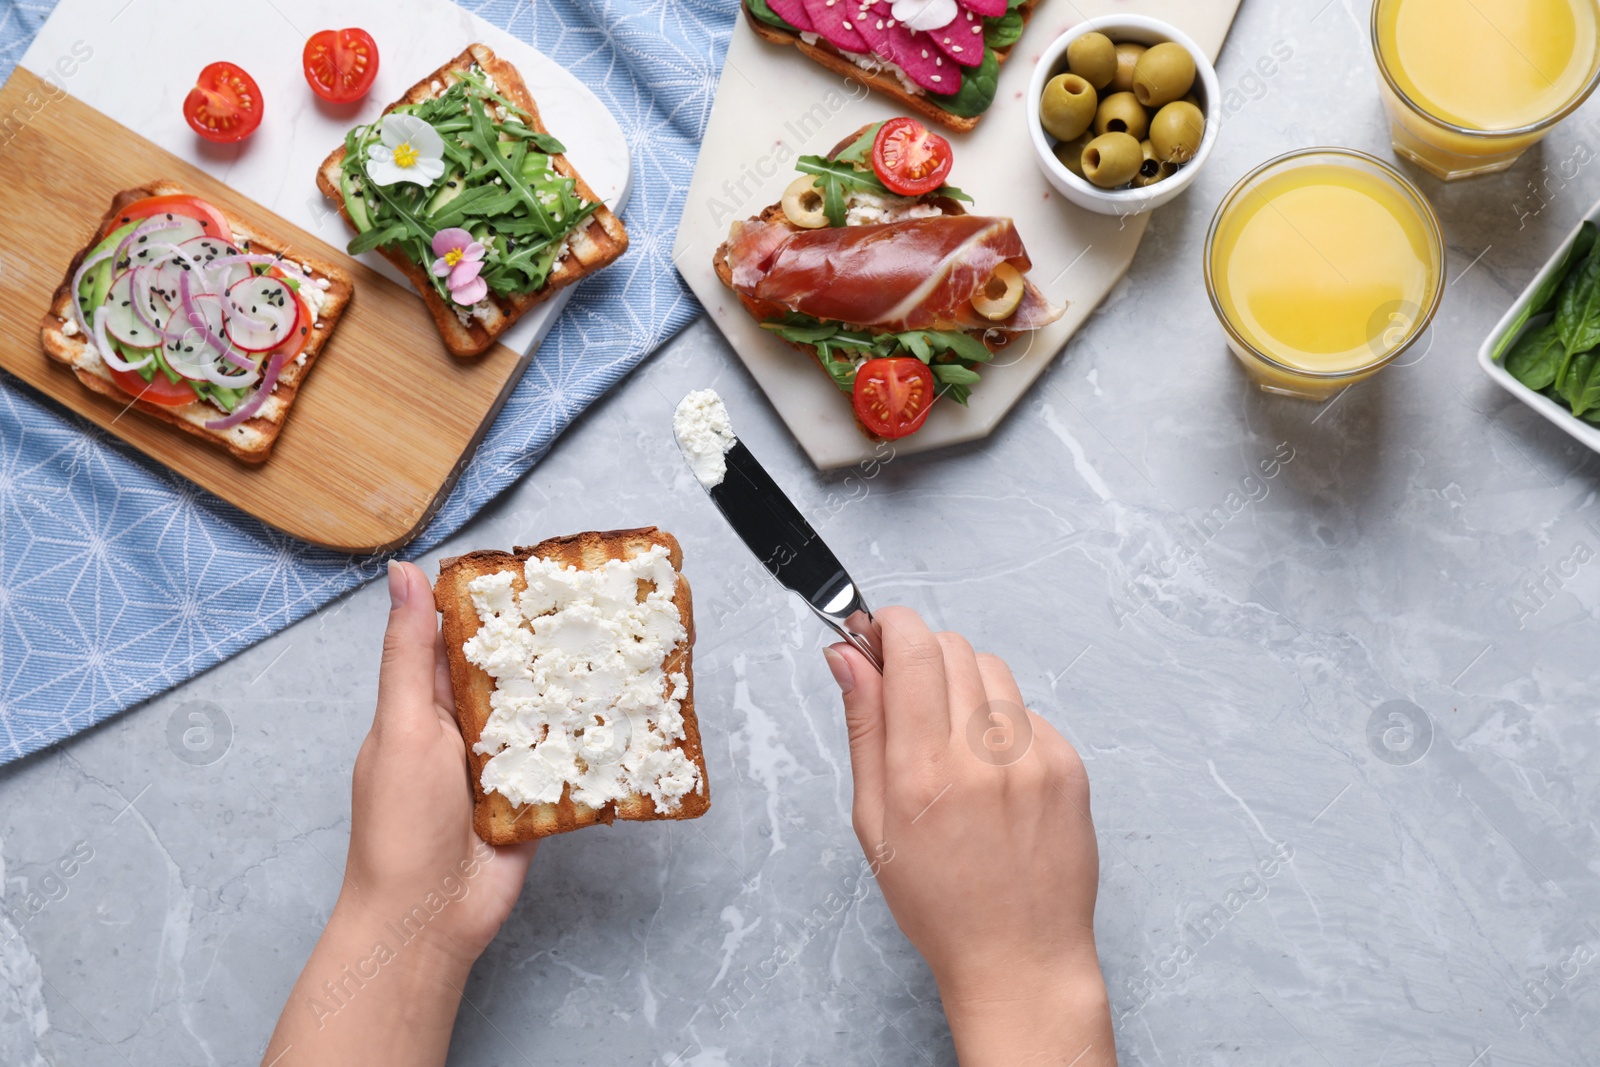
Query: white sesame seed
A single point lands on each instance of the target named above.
(937, 62)
(956, 48)
(848, 26)
(891, 24)
(937, 78)
(977, 29)
(924, 53)
(880, 24)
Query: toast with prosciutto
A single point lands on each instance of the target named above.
(871, 264)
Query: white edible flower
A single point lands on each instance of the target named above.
(410, 151)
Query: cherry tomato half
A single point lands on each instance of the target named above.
(216, 225)
(224, 105)
(910, 159)
(892, 396)
(341, 64)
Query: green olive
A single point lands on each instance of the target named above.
(1152, 170)
(1176, 131)
(1112, 159)
(1121, 113)
(1128, 55)
(1070, 153)
(1093, 58)
(1163, 74)
(1067, 107)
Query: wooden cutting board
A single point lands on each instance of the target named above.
(386, 418)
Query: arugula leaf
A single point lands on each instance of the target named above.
(977, 90)
(478, 80)
(375, 238)
(1537, 358)
(860, 150)
(1578, 313)
(954, 374)
(542, 141)
(835, 176)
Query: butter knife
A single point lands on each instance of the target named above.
(771, 526)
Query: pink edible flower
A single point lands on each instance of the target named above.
(460, 262)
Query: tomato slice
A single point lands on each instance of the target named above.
(341, 64)
(158, 390)
(892, 396)
(909, 158)
(214, 221)
(224, 105)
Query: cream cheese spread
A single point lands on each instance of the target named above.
(581, 698)
(705, 435)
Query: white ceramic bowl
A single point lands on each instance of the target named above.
(1558, 414)
(1141, 30)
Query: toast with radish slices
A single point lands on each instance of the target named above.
(466, 590)
(470, 329)
(946, 73)
(250, 440)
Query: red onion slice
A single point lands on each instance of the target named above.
(253, 403)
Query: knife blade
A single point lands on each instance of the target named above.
(769, 523)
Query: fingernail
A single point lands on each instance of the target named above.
(841, 670)
(397, 584)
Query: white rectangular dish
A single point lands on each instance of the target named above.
(1586, 432)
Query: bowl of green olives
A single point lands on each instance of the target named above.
(1120, 111)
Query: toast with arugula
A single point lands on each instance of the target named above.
(460, 186)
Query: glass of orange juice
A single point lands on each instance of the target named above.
(1323, 265)
(1471, 84)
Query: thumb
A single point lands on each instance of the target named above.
(862, 687)
(406, 678)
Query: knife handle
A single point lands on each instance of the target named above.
(847, 614)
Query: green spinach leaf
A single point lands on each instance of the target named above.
(1572, 389)
(760, 10)
(1544, 297)
(977, 88)
(1578, 312)
(1003, 32)
(1537, 358)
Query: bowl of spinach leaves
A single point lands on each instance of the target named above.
(1546, 350)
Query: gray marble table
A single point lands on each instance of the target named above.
(1378, 662)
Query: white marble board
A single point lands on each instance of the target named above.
(773, 104)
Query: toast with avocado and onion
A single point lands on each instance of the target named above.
(603, 737)
(943, 63)
(871, 265)
(494, 173)
(229, 322)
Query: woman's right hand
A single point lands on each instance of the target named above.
(974, 812)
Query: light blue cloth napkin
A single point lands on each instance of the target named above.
(118, 579)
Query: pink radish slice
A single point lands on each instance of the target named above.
(122, 320)
(874, 26)
(260, 313)
(836, 20)
(923, 61)
(989, 9)
(192, 352)
(794, 13)
(148, 247)
(962, 40)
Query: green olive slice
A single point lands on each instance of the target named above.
(1001, 295)
(802, 203)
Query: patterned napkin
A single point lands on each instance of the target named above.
(118, 579)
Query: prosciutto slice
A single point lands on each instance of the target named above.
(917, 274)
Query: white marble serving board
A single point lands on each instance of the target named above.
(144, 55)
(773, 104)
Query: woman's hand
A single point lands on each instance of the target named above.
(422, 895)
(975, 814)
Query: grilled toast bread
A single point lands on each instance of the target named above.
(882, 79)
(251, 441)
(595, 244)
(495, 818)
(774, 213)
